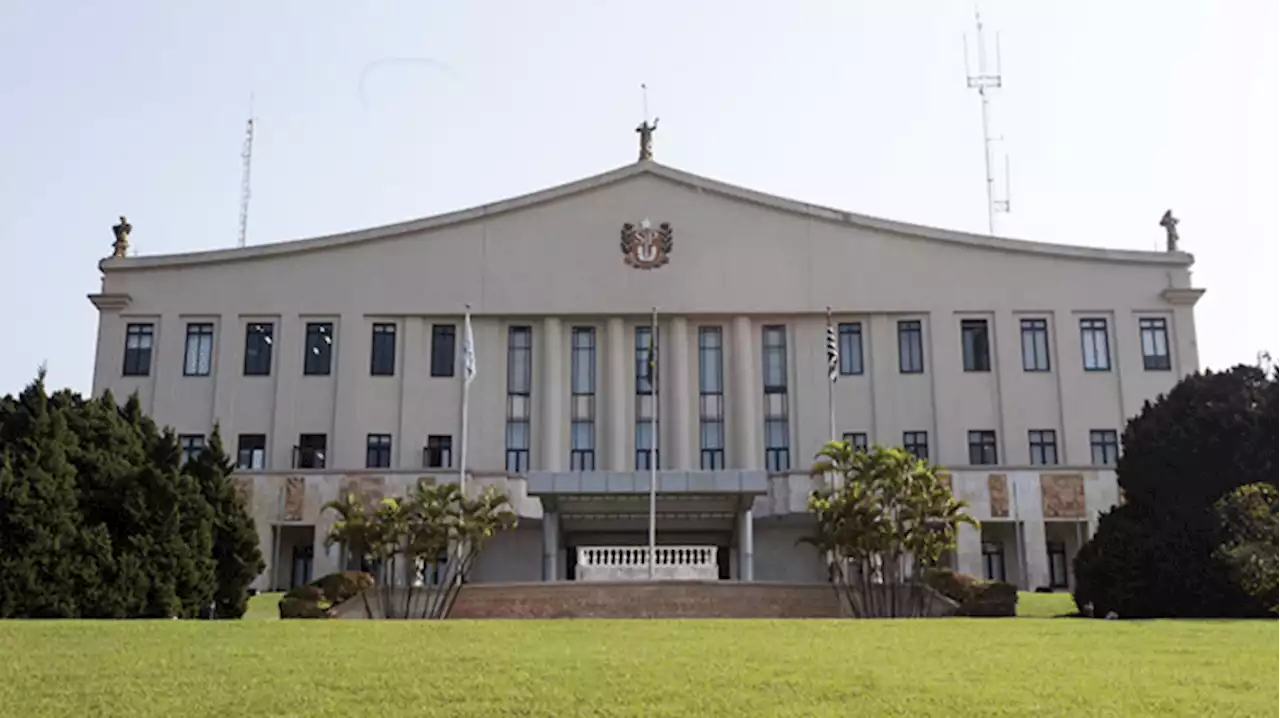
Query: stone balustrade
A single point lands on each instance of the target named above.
(631, 563)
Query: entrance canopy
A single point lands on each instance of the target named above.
(623, 493)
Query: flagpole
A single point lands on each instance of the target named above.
(468, 363)
(831, 384)
(653, 442)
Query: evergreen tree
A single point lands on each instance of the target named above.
(235, 536)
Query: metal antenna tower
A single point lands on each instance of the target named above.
(982, 82)
(246, 155)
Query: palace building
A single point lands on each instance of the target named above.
(335, 364)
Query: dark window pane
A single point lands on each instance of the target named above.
(318, 360)
(382, 359)
(442, 349)
(138, 341)
(258, 340)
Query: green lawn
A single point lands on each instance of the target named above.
(944, 667)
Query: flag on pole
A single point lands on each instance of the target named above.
(468, 351)
(833, 350)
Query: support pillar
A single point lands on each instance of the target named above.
(616, 398)
(747, 451)
(552, 398)
(1037, 555)
(677, 358)
(550, 544)
(746, 546)
(969, 550)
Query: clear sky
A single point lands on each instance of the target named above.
(1112, 112)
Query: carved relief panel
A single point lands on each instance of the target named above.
(244, 487)
(370, 489)
(998, 488)
(1062, 496)
(295, 498)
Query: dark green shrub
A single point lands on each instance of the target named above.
(975, 596)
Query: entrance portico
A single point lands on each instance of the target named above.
(595, 524)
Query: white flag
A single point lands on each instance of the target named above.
(468, 351)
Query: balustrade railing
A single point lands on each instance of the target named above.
(631, 563)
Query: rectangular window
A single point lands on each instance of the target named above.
(982, 448)
(582, 411)
(310, 451)
(198, 359)
(1104, 445)
(251, 451)
(377, 452)
(1094, 344)
(910, 347)
(993, 561)
(382, 355)
(1035, 345)
(1057, 564)
(975, 342)
(138, 339)
(711, 398)
(850, 348)
(318, 359)
(916, 443)
(191, 445)
(1154, 336)
(258, 338)
(442, 349)
(857, 440)
(519, 385)
(438, 453)
(1043, 445)
(777, 431)
(645, 353)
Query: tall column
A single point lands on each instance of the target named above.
(1037, 556)
(746, 546)
(550, 544)
(616, 397)
(969, 550)
(677, 399)
(552, 396)
(745, 419)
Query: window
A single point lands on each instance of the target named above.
(191, 445)
(310, 451)
(1044, 447)
(318, 359)
(1057, 564)
(251, 451)
(442, 349)
(857, 440)
(777, 431)
(975, 342)
(850, 348)
(711, 398)
(910, 347)
(382, 356)
(519, 383)
(137, 349)
(1035, 345)
(982, 448)
(198, 360)
(1093, 342)
(257, 349)
(377, 451)
(916, 443)
(582, 411)
(993, 561)
(646, 364)
(438, 453)
(1154, 333)
(1104, 445)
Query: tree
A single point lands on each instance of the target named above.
(1248, 515)
(236, 554)
(884, 520)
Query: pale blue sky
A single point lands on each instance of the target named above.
(1112, 113)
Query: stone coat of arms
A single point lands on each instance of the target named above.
(644, 247)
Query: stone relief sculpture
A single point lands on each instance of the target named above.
(998, 488)
(1062, 496)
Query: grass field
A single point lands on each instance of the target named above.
(945, 667)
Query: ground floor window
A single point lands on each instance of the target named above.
(1057, 564)
(993, 561)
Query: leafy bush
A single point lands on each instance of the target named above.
(314, 599)
(975, 596)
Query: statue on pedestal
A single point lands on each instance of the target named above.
(121, 245)
(646, 131)
(1170, 224)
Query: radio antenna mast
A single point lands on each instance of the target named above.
(982, 82)
(246, 155)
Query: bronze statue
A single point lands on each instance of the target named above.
(1170, 224)
(646, 131)
(122, 230)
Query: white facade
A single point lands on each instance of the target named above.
(1013, 364)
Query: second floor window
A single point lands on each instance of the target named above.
(442, 349)
(1104, 446)
(645, 363)
(777, 428)
(377, 452)
(1154, 335)
(975, 344)
(258, 340)
(916, 443)
(857, 440)
(519, 385)
(138, 339)
(1095, 345)
(982, 448)
(318, 360)
(1043, 445)
(850, 348)
(711, 398)
(910, 347)
(310, 451)
(191, 446)
(438, 453)
(582, 412)
(1035, 345)
(251, 451)
(382, 355)
(198, 357)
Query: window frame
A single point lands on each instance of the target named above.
(993, 551)
(519, 390)
(202, 333)
(849, 340)
(190, 446)
(1158, 329)
(911, 331)
(912, 440)
(382, 349)
(259, 348)
(777, 423)
(438, 453)
(982, 441)
(377, 451)
(317, 350)
(444, 350)
(582, 398)
(1106, 441)
(1037, 329)
(857, 440)
(319, 452)
(1042, 447)
(139, 346)
(975, 345)
(250, 444)
(1090, 329)
(711, 438)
